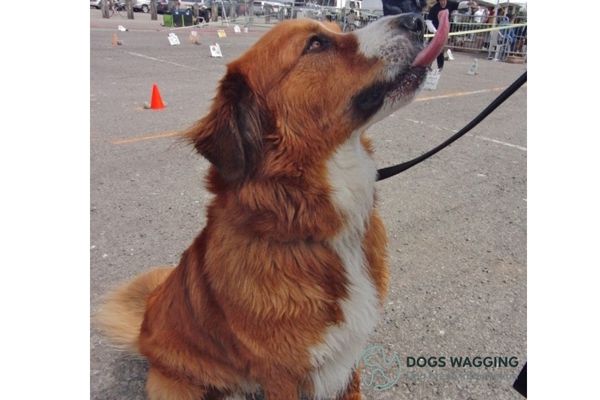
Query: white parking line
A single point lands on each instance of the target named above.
(458, 94)
(161, 60)
(514, 146)
(499, 142)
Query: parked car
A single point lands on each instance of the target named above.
(141, 5)
(120, 4)
(183, 4)
(162, 6)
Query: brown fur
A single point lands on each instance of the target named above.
(260, 285)
(122, 314)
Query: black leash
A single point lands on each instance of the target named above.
(388, 172)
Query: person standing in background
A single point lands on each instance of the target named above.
(491, 15)
(433, 17)
(481, 15)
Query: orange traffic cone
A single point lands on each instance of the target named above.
(156, 102)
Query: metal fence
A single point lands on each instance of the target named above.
(498, 37)
(272, 14)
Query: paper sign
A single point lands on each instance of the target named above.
(432, 79)
(236, 29)
(221, 33)
(173, 39)
(215, 50)
(473, 70)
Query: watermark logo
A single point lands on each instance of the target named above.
(462, 362)
(379, 370)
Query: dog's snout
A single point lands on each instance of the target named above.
(411, 22)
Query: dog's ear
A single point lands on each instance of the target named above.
(230, 136)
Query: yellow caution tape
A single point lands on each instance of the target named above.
(497, 28)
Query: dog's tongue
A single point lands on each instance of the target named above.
(429, 53)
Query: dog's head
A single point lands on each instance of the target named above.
(304, 88)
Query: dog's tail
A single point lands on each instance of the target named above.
(120, 317)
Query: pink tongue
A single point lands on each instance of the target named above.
(429, 53)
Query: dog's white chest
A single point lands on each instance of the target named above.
(352, 175)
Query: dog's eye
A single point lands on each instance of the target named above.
(316, 44)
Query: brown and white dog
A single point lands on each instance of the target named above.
(286, 281)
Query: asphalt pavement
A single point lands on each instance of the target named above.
(456, 223)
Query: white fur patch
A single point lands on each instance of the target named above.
(381, 40)
(352, 175)
(396, 50)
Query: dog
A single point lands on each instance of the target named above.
(281, 289)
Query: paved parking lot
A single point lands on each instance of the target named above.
(456, 223)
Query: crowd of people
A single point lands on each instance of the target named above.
(460, 9)
(460, 12)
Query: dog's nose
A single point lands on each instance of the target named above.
(411, 22)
